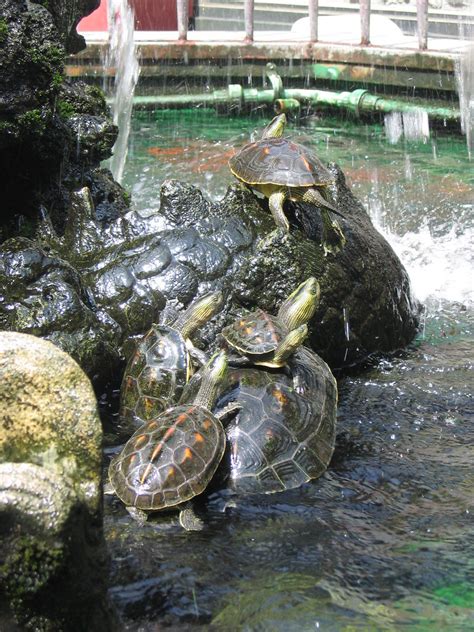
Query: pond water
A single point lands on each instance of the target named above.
(384, 540)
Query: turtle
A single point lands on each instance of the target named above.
(283, 169)
(266, 340)
(156, 373)
(172, 457)
(284, 433)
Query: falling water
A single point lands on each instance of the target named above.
(412, 126)
(122, 56)
(465, 86)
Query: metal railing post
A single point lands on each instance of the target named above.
(364, 22)
(422, 23)
(248, 18)
(313, 20)
(183, 18)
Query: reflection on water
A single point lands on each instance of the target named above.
(383, 541)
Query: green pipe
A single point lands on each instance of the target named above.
(357, 101)
(362, 101)
(286, 105)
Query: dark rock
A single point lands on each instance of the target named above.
(66, 15)
(53, 133)
(43, 295)
(134, 265)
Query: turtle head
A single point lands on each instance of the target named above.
(298, 308)
(213, 374)
(199, 312)
(275, 128)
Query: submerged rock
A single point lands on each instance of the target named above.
(50, 496)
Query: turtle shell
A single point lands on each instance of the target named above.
(169, 460)
(255, 334)
(282, 437)
(281, 162)
(155, 375)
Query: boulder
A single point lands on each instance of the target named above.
(50, 495)
(132, 267)
(53, 133)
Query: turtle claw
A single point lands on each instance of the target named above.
(189, 520)
(333, 240)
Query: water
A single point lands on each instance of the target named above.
(384, 540)
(122, 56)
(465, 85)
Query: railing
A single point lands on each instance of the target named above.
(364, 8)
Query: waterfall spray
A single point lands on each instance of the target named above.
(465, 86)
(121, 56)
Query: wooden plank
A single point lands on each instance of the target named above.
(190, 50)
(373, 76)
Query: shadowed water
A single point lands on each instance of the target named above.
(384, 540)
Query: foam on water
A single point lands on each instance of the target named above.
(439, 267)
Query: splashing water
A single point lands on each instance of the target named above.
(439, 267)
(122, 56)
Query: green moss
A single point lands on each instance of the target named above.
(29, 567)
(65, 109)
(47, 59)
(99, 95)
(3, 31)
(58, 79)
(127, 198)
(32, 122)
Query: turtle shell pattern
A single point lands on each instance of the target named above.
(256, 333)
(155, 375)
(169, 459)
(281, 437)
(279, 161)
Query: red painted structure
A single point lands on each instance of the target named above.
(150, 15)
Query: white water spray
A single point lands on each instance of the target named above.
(413, 126)
(122, 56)
(438, 266)
(465, 85)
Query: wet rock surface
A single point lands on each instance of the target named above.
(50, 492)
(53, 133)
(97, 275)
(131, 268)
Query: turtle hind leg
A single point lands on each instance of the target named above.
(333, 238)
(320, 197)
(138, 515)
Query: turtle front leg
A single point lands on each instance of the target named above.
(199, 356)
(290, 344)
(275, 203)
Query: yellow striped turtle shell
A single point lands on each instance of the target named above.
(169, 460)
(281, 162)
